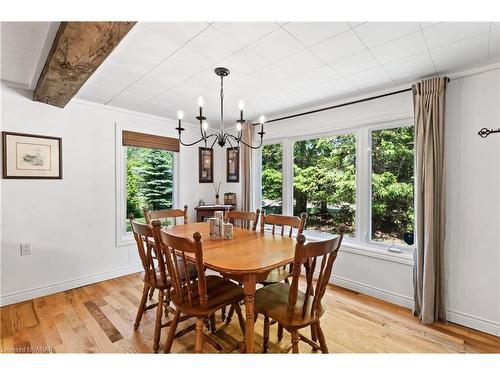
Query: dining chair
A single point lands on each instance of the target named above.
(290, 223)
(155, 276)
(165, 215)
(198, 298)
(174, 214)
(244, 220)
(294, 309)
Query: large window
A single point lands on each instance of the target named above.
(324, 182)
(272, 178)
(362, 177)
(392, 185)
(149, 180)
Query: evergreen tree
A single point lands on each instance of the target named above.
(156, 186)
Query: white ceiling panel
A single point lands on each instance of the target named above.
(277, 45)
(449, 32)
(377, 33)
(161, 67)
(22, 47)
(411, 68)
(466, 53)
(355, 63)
(300, 62)
(400, 48)
(338, 47)
(310, 33)
(246, 32)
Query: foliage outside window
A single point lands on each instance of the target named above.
(272, 178)
(324, 186)
(149, 180)
(392, 184)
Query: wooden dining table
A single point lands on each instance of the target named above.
(247, 258)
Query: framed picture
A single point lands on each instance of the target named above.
(233, 164)
(31, 156)
(206, 165)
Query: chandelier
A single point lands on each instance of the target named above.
(220, 136)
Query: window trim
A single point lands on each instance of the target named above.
(362, 131)
(122, 238)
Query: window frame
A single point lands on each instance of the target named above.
(123, 238)
(363, 132)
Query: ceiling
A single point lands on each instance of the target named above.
(162, 67)
(23, 50)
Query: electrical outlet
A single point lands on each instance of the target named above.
(26, 248)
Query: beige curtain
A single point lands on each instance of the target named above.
(429, 107)
(246, 168)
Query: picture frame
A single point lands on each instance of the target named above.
(31, 156)
(205, 165)
(233, 164)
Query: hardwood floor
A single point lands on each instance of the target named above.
(99, 318)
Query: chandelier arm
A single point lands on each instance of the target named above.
(215, 140)
(229, 136)
(246, 144)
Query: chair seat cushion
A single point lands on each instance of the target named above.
(277, 275)
(220, 292)
(272, 301)
(193, 274)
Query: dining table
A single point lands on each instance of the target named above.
(247, 258)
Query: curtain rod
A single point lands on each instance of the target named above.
(338, 105)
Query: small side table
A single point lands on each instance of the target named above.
(203, 212)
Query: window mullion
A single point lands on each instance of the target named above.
(363, 184)
(287, 167)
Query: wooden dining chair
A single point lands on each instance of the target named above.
(198, 298)
(155, 277)
(294, 309)
(287, 224)
(244, 220)
(174, 214)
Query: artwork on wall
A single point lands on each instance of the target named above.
(233, 164)
(206, 165)
(31, 156)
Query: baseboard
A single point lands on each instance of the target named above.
(467, 320)
(46, 290)
(372, 291)
(472, 321)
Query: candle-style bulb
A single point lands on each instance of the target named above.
(200, 101)
(241, 105)
(262, 119)
(204, 125)
(180, 115)
(238, 126)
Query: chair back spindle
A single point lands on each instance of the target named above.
(307, 255)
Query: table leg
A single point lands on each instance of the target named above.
(249, 290)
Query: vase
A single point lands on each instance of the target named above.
(217, 199)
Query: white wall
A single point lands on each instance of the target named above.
(473, 202)
(71, 222)
(472, 257)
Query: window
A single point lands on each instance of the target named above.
(362, 177)
(392, 185)
(324, 182)
(272, 178)
(149, 177)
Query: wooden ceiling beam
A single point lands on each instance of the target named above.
(79, 48)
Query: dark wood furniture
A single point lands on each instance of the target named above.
(155, 277)
(206, 211)
(200, 298)
(294, 309)
(233, 260)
